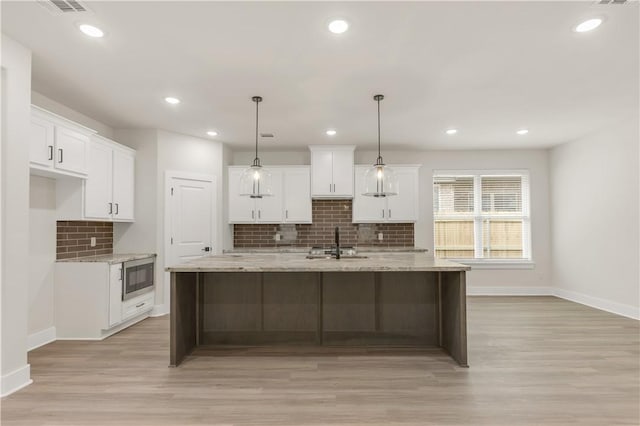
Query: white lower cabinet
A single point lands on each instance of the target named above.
(88, 301)
(401, 208)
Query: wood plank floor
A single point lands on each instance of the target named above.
(534, 361)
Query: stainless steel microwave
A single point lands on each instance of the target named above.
(138, 277)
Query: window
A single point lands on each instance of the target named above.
(481, 215)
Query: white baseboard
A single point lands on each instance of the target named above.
(16, 380)
(602, 304)
(159, 310)
(41, 338)
(508, 291)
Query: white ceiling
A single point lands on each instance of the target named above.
(485, 68)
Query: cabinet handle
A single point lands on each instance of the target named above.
(258, 214)
(334, 187)
(117, 208)
(389, 213)
(286, 214)
(330, 188)
(61, 152)
(50, 152)
(253, 214)
(139, 305)
(121, 274)
(383, 213)
(110, 208)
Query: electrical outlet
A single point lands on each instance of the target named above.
(93, 241)
(277, 237)
(380, 236)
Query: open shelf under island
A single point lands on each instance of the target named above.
(383, 299)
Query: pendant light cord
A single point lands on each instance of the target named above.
(256, 161)
(379, 156)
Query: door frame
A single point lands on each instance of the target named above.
(169, 175)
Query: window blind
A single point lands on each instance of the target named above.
(481, 215)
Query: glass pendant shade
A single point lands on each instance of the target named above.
(380, 181)
(256, 182)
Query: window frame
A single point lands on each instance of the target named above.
(479, 261)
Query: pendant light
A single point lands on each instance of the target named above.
(255, 181)
(379, 179)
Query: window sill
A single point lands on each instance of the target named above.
(500, 264)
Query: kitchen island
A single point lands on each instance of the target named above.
(380, 299)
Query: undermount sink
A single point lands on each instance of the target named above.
(343, 256)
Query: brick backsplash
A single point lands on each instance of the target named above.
(327, 214)
(74, 239)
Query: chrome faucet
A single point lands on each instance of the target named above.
(337, 242)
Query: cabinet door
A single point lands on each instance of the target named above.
(343, 174)
(366, 209)
(321, 173)
(297, 195)
(41, 142)
(269, 209)
(115, 294)
(123, 185)
(71, 150)
(403, 207)
(241, 208)
(98, 187)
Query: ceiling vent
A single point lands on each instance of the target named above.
(266, 135)
(59, 7)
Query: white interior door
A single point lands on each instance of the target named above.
(192, 219)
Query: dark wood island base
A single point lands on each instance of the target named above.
(335, 308)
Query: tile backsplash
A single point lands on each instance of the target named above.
(327, 214)
(74, 239)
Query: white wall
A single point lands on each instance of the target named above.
(494, 281)
(16, 115)
(177, 152)
(71, 114)
(42, 253)
(595, 219)
(160, 151)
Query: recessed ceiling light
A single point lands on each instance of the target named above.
(91, 31)
(171, 100)
(522, 132)
(331, 132)
(212, 133)
(452, 131)
(338, 26)
(588, 25)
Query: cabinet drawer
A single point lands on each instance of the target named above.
(138, 305)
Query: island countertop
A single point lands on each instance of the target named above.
(298, 262)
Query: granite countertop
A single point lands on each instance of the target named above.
(110, 258)
(291, 249)
(298, 262)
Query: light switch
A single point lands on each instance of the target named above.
(93, 241)
(380, 236)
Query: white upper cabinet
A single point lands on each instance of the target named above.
(297, 195)
(395, 209)
(332, 171)
(108, 192)
(41, 142)
(244, 209)
(123, 184)
(291, 202)
(99, 185)
(58, 146)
